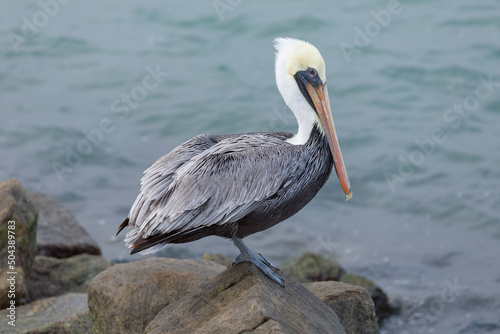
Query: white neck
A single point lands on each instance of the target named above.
(305, 114)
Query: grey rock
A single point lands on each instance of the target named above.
(311, 267)
(242, 300)
(15, 206)
(59, 234)
(351, 303)
(218, 258)
(52, 276)
(383, 308)
(126, 297)
(315, 268)
(67, 314)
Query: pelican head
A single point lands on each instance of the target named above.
(301, 79)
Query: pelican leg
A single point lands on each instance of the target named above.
(247, 255)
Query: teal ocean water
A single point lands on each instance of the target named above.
(92, 93)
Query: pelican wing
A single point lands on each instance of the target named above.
(160, 175)
(215, 180)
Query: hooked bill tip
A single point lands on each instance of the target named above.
(348, 196)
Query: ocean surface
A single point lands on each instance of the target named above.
(92, 93)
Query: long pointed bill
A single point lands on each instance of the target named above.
(319, 96)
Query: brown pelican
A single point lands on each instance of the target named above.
(236, 185)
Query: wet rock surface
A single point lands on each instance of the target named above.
(59, 234)
(67, 314)
(53, 276)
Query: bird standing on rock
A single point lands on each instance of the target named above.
(235, 185)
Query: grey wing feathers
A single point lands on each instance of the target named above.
(209, 180)
(159, 176)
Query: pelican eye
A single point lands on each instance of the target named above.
(312, 72)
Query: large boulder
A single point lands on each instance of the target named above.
(351, 303)
(52, 276)
(67, 314)
(59, 234)
(126, 297)
(160, 295)
(243, 300)
(18, 218)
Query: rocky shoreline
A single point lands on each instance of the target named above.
(64, 285)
